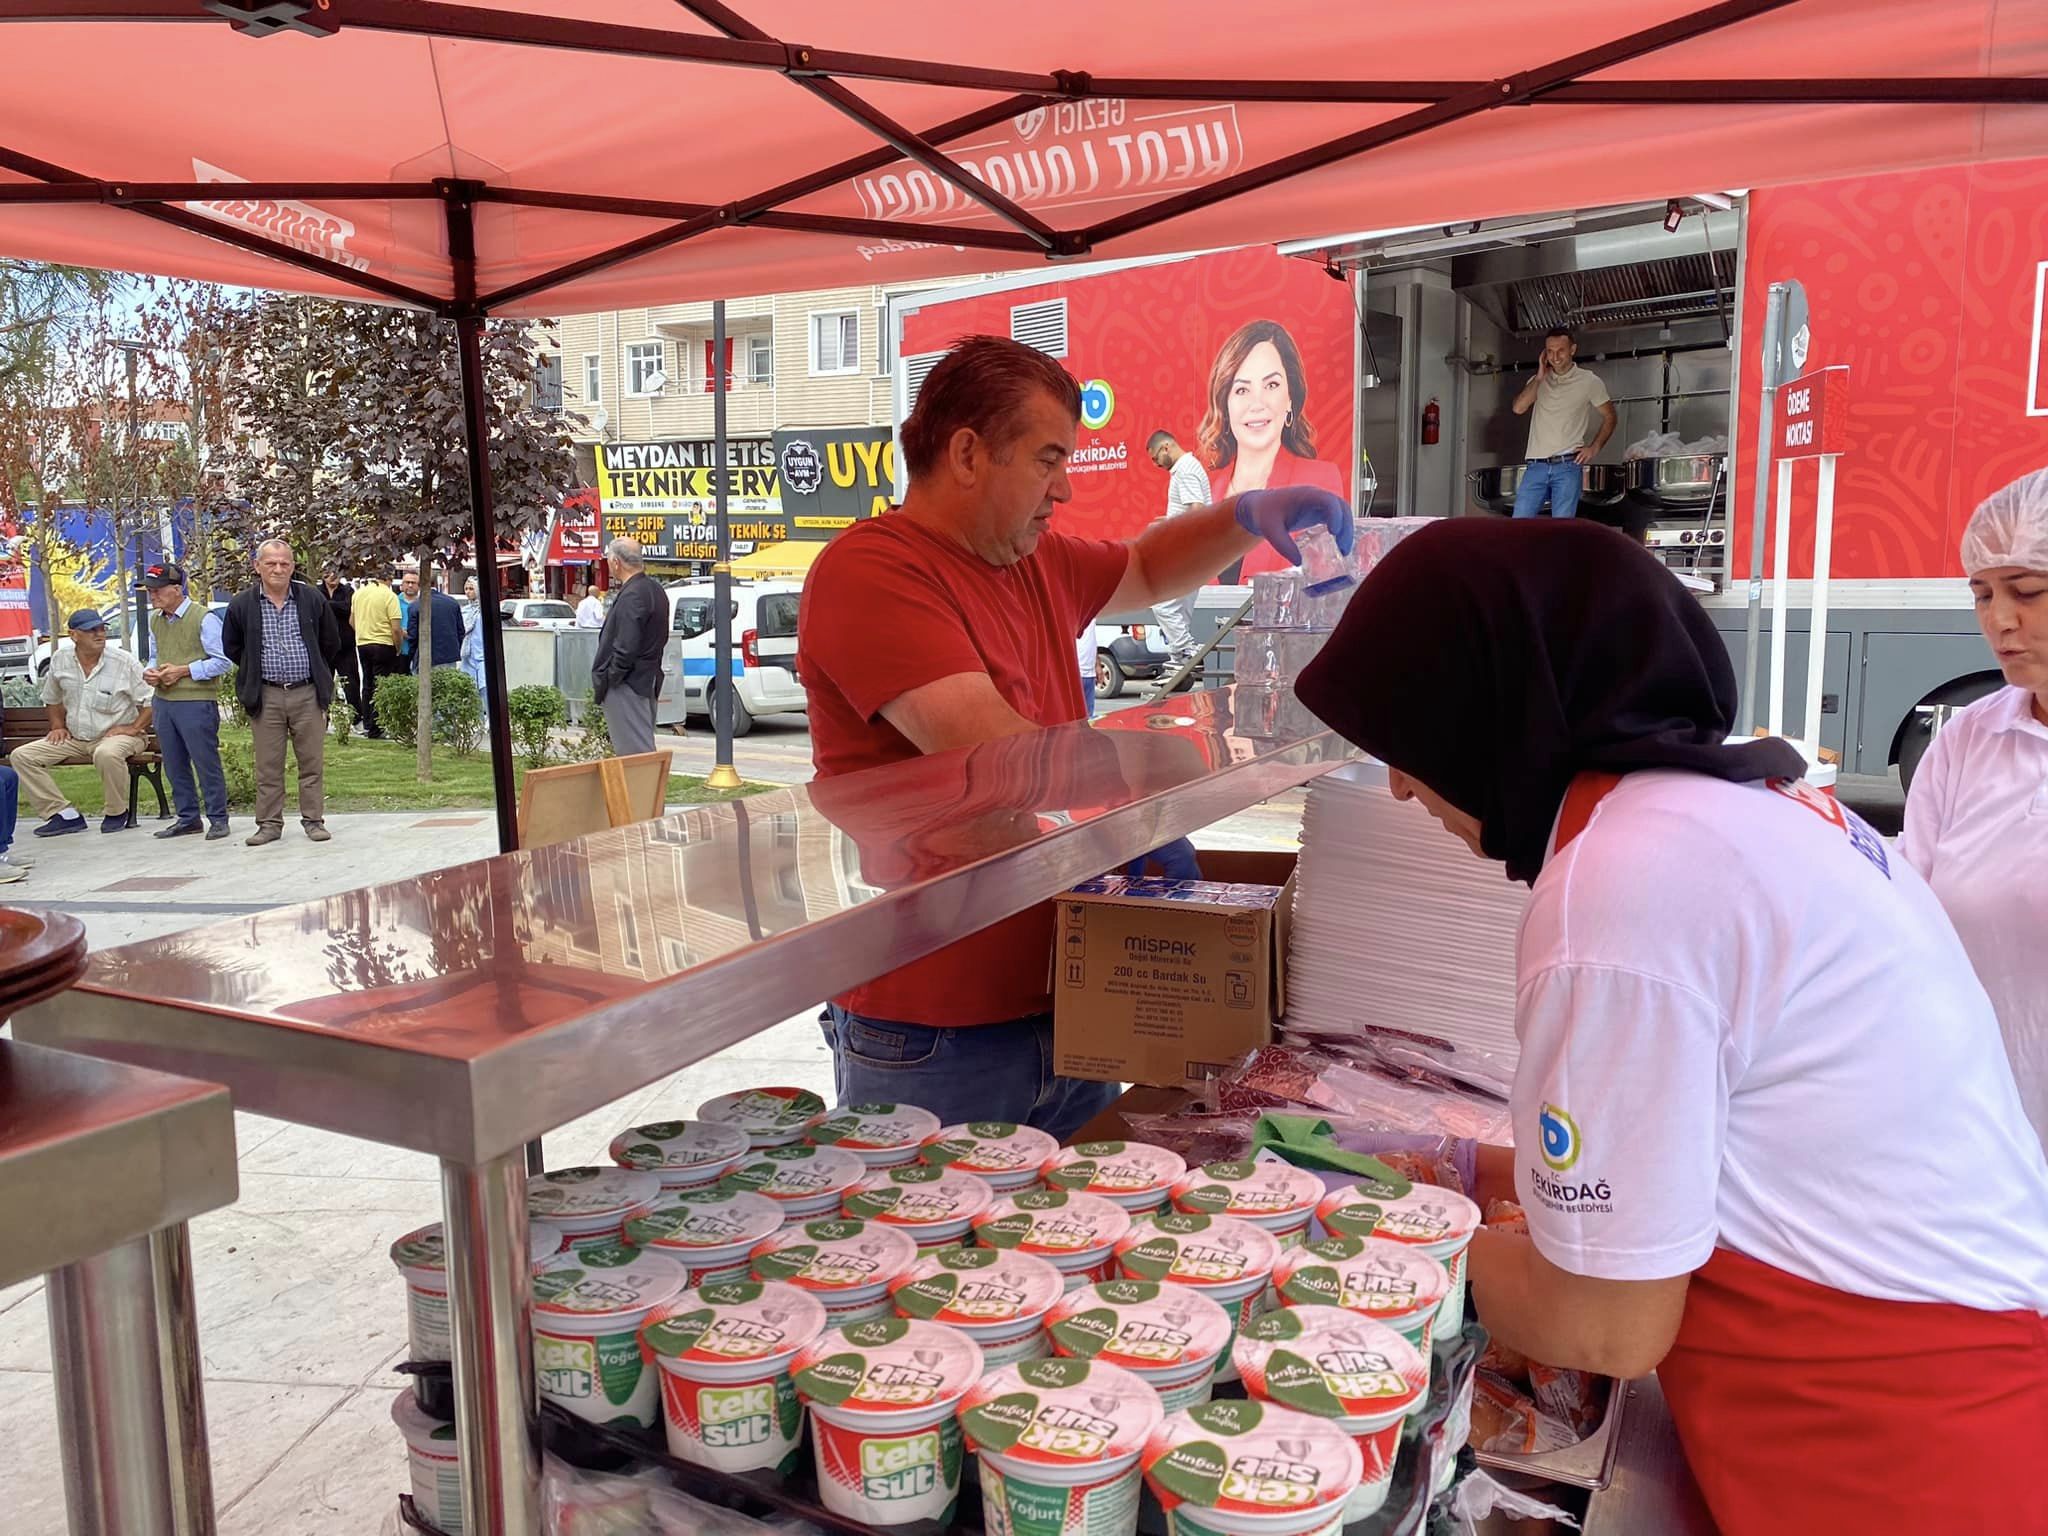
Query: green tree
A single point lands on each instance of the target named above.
(351, 417)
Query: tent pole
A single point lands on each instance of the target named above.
(469, 327)
(723, 689)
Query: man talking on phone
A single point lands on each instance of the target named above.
(1563, 397)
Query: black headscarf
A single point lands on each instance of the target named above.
(1496, 660)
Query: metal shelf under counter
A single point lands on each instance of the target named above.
(467, 1012)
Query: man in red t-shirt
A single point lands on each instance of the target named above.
(950, 621)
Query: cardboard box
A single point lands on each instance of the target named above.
(1170, 988)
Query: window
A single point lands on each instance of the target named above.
(775, 616)
(835, 342)
(644, 374)
(550, 611)
(885, 342)
(593, 377)
(547, 382)
(760, 360)
(693, 617)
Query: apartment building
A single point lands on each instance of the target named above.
(815, 359)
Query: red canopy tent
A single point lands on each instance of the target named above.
(531, 157)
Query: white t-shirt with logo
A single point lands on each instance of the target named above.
(1745, 1021)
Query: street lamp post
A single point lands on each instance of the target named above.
(131, 351)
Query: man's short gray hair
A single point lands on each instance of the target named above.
(627, 553)
(283, 544)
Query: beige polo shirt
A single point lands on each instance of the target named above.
(1560, 421)
(113, 695)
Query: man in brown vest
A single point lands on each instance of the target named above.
(186, 664)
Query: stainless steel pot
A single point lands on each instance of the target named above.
(1681, 480)
(1494, 488)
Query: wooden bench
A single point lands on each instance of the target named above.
(31, 722)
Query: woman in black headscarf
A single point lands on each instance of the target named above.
(1766, 1136)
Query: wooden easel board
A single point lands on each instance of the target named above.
(576, 799)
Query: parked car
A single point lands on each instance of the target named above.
(536, 613)
(764, 648)
(1124, 654)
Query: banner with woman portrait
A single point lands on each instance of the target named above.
(1243, 359)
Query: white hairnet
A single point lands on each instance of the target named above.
(2010, 527)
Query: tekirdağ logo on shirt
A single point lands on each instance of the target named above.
(1560, 1134)
(1863, 837)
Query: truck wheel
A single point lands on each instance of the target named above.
(1109, 677)
(1916, 735)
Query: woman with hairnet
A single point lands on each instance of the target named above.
(1977, 818)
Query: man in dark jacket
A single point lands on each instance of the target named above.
(625, 675)
(445, 619)
(282, 638)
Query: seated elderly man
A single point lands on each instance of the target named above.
(100, 709)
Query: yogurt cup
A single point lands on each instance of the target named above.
(771, 1117)
(1275, 1195)
(882, 1396)
(1393, 1283)
(1059, 1442)
(1438, 1221)
(724, 1351)
(807, 1182)
(1009, 1156)
(847, 1265)
(1340, 1366)
(1229, 1260)
(435, 1463)
(683, 1154)
(421, 1257)
(1136, 1175)
(934, 1206)
(591, 1206)
(998, 1299)
(710, 1232)
(587, 1312)
(1169, 1335)
(1251, 1469)
(881, 1135)
(1077, 1234)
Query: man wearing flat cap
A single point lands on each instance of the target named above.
(186, 665)
(100, 710)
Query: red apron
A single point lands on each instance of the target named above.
(1807, 1411)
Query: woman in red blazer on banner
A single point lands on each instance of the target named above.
(1255, 434)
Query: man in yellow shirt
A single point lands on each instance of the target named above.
(375, 613)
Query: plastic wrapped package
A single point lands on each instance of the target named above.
(1325, 568)
(1378, 535)
(1576, 1398)
(1272, 713)
(1276, 599)
(1198, 1137)
(1256, 659)
(1326, 1084)
(1507, 1216)
(1479, 1497)
(1507, 1422)
(1419, 1058)
(1297, 649)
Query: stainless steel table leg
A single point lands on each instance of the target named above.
(490, 1299)
(110, 1394)
(177, 1332)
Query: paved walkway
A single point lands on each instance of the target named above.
(301, 1313)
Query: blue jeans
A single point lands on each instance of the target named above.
(986, 1072)
(1557, 480)
(189, 732)
(10, 806)
(1088, 693)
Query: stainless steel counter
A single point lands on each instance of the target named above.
(467, 1012)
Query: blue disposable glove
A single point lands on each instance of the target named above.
(1175, 861)
(1276, 515)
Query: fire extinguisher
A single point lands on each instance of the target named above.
(1432, 421)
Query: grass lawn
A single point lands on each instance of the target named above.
(365, 775)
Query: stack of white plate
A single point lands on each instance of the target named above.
(1396, 924)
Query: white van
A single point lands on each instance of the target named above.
(763, 652)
